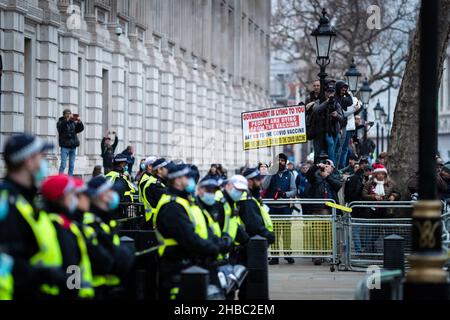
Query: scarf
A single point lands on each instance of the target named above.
(379, 189)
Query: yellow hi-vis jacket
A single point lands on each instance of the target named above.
(87, 291)
(194, 213)
(262, 211)
(6, 281)
(49, 254)
(149, 210)
(113, 175)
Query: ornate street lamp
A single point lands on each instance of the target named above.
(352, 75)
(366, 92)
(383, 118)
(378, 111)
(324, 35)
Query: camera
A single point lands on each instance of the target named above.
(119, 31)
(332, 104)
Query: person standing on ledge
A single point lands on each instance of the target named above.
(69, 125)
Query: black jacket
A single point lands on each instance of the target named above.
(173, 222)
(67, 131)
(155, 191)
(354, 186)
(108, 152)
(249, 213)
(321, 112)
(321, 188)
(18, 240)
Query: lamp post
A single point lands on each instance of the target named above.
(324, 35)
(352, 75)
(365, 93)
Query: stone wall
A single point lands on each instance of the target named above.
(173, 84)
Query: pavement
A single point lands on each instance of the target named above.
(305, 281)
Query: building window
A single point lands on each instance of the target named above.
(171, 48)
(157, 42)
(141, 34)
(102, 15)
(124, 25)
(194, 62)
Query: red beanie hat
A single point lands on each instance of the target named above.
(378, 166)
(55, 187)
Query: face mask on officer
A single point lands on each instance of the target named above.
(114, 200)
(235, 194)
(190, 187)
(208, 198)
(42, 173)
(142, 166)
(72, 205)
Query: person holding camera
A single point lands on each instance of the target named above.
(108, 151)
(328, 119)
(69, 125)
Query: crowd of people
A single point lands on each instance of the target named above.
(52, 226)
(335, 125)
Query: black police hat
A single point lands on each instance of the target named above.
(283, 156)
(161, 163)
(251, 173)
(120, 158)
(179, 170)
(98, 185)
(21, 146)
(209, 182)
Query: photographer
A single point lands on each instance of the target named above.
(328, 119)
(69, 125)
(350, 106)
(108, 151)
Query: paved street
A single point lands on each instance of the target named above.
(304, 281)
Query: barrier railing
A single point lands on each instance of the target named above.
(365, 236)
(305, 236)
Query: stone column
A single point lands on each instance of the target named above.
(135, 109)
(12, 49)
(94, 100)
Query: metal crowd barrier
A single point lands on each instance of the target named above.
(364, 237)
(305, 236)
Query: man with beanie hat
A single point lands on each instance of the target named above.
(281, 186)
(183, 241)
(27, 234)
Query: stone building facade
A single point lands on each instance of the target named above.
(444, 111)
(170, 76)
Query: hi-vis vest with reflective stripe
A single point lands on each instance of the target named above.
(113, 175)
(262, 210)
(149, 210)
(141, 186)
(49, 254)
(231, 222)
(6, 284)
(86, 292)
(88, 220)
(194, 213)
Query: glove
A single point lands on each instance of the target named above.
(283, 195)
(226, 243)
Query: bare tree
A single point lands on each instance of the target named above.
(381, 51)
(403, 152)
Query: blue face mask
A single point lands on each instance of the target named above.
(142, 166)
(125, 169)
(235, 195)
(4, 205)
(73, 205)
(208, 198)
(42, 173)
(190, 188)
(114, 203)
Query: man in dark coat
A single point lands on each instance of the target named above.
(108, 151)
(129, 152)
(69, 125)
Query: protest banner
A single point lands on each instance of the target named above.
(273, 127)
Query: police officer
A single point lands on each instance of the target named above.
(107, 278)
(26, 234)
(60, 202)
(120, 178)
(155, 187)
(219, 219)
(148, 168)
(184, 239)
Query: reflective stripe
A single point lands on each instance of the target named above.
(149, 210)
(113, 175)
(85, 262)
(194, 213)
(49, 254)
(6, 286)
(265, 215)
